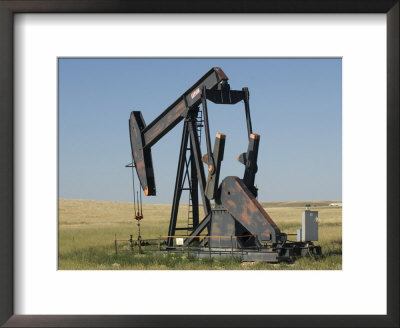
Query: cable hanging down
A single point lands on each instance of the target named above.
(137, 198)
(137, 203)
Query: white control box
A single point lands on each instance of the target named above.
(309, 230)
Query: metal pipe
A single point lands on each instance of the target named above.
(247, 110)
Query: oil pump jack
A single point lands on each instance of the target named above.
(237, 222)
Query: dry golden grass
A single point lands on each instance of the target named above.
(87, 230)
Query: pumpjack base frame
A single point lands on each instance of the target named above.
(289, 253)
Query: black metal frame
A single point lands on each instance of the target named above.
(214, 86)
(8, 8)
(219, 220)
(196, 177)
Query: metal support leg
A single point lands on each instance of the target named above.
(178, 185)
(211, 163)
(247, 110)
(195, 190)
(194, 139)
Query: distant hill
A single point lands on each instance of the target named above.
(302, 203)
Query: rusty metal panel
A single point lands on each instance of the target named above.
(240, 202)
(141, 157)
(222, 228)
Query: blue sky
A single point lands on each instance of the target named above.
(295, 104)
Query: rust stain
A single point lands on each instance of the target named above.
(139, 163)
(180, 106)
(155, 131)
(158, 129)
(220, 73)
(250, 214)
(231, 203)
(246, 215)
(165, 122)
(178, 109)
(255, 203)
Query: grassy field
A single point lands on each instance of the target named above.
(87, 231)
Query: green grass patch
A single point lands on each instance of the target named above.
(87, 230)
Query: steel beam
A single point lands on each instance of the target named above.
(178, 184)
